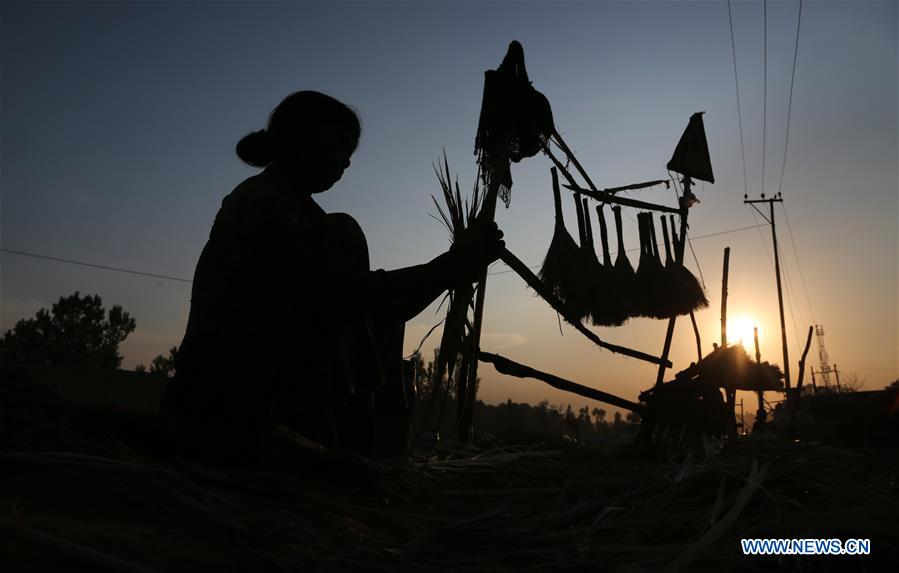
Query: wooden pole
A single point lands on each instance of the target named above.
(470, 390)
(724, 297)
(698, 341)
(780, 299)
(794, 410)
(729, 393)
(511, 368)
(837, 373)
(679, 258)
(760, 413)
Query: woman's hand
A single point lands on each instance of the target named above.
(474, 249)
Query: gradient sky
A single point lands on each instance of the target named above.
(118, 124)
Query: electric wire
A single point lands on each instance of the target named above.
(733, 49)
(765, 87)
(790, 101)
(808, 300)
(183, 280)
(95, 266)
(791, 300)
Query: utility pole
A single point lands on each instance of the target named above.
(780, 299)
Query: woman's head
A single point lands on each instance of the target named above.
(309, 132)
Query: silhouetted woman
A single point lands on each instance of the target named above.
(288, 325)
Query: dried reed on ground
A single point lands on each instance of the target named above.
(487, 508)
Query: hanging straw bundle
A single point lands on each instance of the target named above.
(562, 264)
(678, 299)
(580, 298)
(607, 308)
(624, 272)
(694, 294)
(668, 291)
(649, 283)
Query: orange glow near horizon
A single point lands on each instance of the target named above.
(740, 331)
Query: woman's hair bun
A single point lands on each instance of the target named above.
(257, 148)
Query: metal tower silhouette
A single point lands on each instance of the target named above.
(823, 356)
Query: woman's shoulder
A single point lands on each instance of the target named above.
(262, 195)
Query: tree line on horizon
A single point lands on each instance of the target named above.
(77, 331)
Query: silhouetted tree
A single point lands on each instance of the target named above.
(600, 415)
(571, 421)
(583, 420)
(633, 417)
(617, 418)
(162, 365)
(76, 331)
(541, 413)
(851, 382)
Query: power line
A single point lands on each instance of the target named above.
(697, 237)
(808, 300)
(171, 278)
(791, 300)
(95, 266)
(733, 49)
(790, 103)
(765, 88)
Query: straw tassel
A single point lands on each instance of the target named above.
(624, 271)
(694, 294)
(560, 267)
(608, 308)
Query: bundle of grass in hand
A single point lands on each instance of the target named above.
(562, 264)
(624, 272)
(457, 217)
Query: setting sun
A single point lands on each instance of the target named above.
(740, 331)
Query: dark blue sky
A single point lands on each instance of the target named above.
(118, 124)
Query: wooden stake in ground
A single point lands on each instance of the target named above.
(731, 394)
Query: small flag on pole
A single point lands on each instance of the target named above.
(691, 156)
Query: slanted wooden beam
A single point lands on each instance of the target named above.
(626, 201)
(531, 279)
(512, 368)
